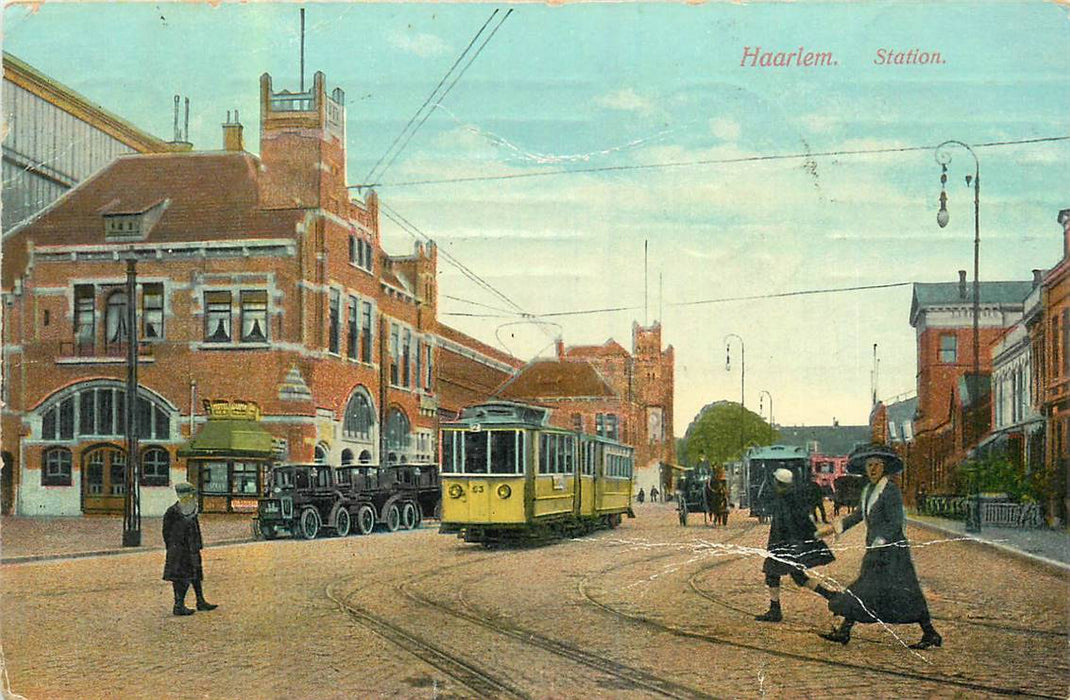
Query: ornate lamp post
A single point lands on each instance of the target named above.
(132, 494)
(742, 381)
(943, 158)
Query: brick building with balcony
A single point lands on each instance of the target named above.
(261, 284)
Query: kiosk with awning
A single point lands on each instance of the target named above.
(229, 457)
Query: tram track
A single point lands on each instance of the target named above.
(481, 682)
(634, 678)
(685, 633)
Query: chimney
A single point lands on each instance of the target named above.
(1064, 219)
(1038, 277)
(233, 140)
(560, 349)
(962, 284)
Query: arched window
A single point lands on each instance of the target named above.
(359, 417)
(347, 456)
(321, 454)
(56, 467)
(98, 410)
(365, 457)
(397, 431)
(155, 467)
(115, 330)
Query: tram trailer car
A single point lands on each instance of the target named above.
(509, 477)
(759, 465)
(303, 500)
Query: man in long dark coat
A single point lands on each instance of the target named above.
(887, 588)
(793, 545)
(182, 536)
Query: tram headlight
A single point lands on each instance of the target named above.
(456, 491)
(504, 491)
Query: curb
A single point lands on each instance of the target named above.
(1006, 549)
(31, 558)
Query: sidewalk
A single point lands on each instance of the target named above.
(1050, 547)
(33, 539)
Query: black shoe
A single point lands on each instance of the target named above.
(182, 610)
(837, 635)
(205, 605)
(770, 615)
(929, 639)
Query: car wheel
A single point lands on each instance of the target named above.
(365, 520)
(310, 524)
(393, 518)
(343, 523)
(409, 517)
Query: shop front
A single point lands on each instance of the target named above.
(229, 458)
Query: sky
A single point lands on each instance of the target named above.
(604, 88)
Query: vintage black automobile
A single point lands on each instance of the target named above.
(301, 500)
(304, 499)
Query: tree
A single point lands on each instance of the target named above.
(722, 430)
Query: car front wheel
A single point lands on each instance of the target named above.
(343, 523)
(310, 524)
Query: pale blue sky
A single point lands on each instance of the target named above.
(623, 84)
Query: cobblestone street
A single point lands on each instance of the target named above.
(651, 609)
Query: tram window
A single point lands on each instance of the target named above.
(568, 465)
(475, 453)
(503, 452)
(449, 459)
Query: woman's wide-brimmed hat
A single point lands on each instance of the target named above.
(856, 461)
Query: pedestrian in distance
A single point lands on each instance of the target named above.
(793, 545)
(182, 537)
(654, 494)
(641, 497)
(887, 588)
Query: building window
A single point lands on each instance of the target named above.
(599, 424)
(320, 456)
(115, 319)
(347, 456)
(418, 356)
(84, 318)
(611, 426)
(244, 478)
(334, 321)
(577, 422)
(101, 412)
(254, 305)
(56, 467)
(351, 328)
(152, 311)
(948, 348)
(214, 477)
(217, 318)
(155, 467)
(1065, 338)
(359, 418)
(394, 333)
(353, 250)
(366, 332)
(406, 359)
(397, 434)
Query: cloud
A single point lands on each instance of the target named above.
(422, 45)
(625, 100)
(725, 129)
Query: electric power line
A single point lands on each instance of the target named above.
(430, 97)
(705, 161)
(447, 91)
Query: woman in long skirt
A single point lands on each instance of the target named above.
(887, 588)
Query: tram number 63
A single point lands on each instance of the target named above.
(476, 488)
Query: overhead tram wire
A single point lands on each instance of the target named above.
(443, 96)
(414, 231)
(430, 96)
(721, 300)
(700, 162)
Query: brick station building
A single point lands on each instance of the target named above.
(267, 310)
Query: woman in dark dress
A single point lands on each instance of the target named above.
(887, 588)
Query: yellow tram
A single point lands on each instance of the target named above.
(508, 476)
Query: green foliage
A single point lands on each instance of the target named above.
(997, 474)
(722, 431)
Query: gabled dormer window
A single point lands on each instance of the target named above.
(132, 225)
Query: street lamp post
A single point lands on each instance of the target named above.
(760, 396)
(132, 494)
(943, 158)
(742, 381)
